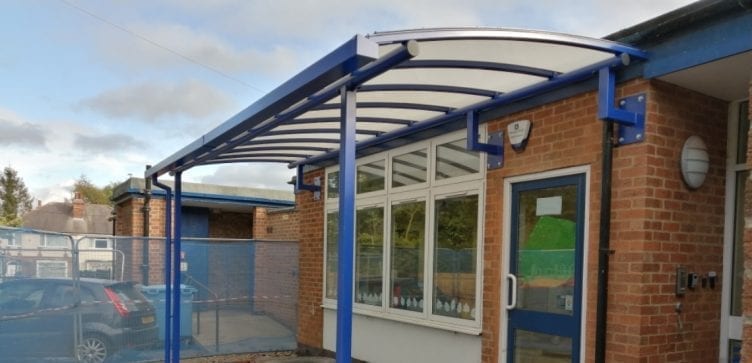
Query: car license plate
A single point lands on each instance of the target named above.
(147, 319)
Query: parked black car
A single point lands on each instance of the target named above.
(37, 319)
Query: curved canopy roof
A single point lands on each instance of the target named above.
(406, 82)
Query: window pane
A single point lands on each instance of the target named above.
(453, 160)
(410, 168)
(369, 254)
(741, 147)
(546, 242)
(101, 243)
(408, 245)
(332, 228)
(371, 177)
(532, 347)
(332, 185)
(456, 235)
(57, 241)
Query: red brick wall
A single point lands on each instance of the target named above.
(311, 261)
(230, 225)
(657, 223)
(283, 225)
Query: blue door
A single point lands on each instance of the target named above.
(545, 274)
(196, 225)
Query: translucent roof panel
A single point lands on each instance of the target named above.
(447, 73)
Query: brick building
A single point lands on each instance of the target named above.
(218, 226)
(612, 231)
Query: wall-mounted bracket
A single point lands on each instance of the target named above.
(300, 185)
(494, 147)
(629, 114)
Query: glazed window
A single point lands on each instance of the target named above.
(369, 256)
(371, 177)
(454, 160)
(409, 168)
(408, 227)
(417, 235)
(332, 185)
(455, 248)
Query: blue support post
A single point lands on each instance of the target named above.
(176, 299)
(346, 226)
(168, 266)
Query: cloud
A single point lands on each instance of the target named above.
(108, 143)
(21, 133)
(152, 101)
(270, 176)
(171, 44)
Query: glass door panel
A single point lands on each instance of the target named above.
(544, 301)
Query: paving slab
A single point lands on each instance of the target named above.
(295, 360)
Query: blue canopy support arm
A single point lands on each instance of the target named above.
(629, 113)
(301, 185)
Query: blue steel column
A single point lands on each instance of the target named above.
(167, 264)
(177, 291)
(346, 226)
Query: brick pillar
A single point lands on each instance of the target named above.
(260, 222)
(311, 265)
(747, 287)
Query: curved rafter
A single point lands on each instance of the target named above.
(290, 110)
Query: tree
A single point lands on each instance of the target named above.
(91, 193)
(15, 200)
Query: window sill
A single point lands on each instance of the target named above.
(469, 330)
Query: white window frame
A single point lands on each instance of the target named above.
(730, 325)
(45, 244)
(369, 160)
(13, 241)
(106, 240)
(361, 205)
(445, 139)
(471, 184)
(406, 150)
(41, 262)
(448, 192)
(397, 199)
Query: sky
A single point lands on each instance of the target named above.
(103, 88)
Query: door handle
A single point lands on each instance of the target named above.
(513, 296)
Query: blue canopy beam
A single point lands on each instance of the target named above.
(388, 105)
(383, 120)
(400, 87)
(488, 66)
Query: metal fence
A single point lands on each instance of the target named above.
(103, 298)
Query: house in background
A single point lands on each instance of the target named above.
(47, 253)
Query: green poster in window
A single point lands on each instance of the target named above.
(549, 249)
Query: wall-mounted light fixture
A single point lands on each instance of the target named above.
(695, 162)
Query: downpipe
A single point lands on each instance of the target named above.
(604, 249)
